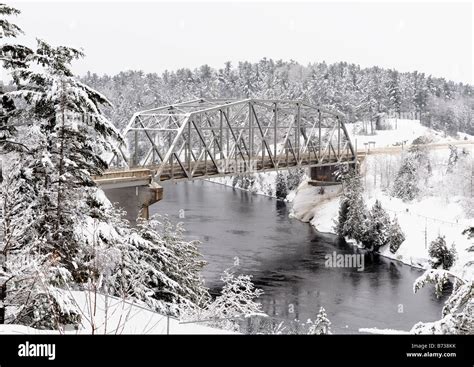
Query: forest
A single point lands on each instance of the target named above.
(359, 93)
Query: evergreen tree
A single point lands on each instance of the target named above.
(469, 232)
(453, 157)
(73, 135)
(440, 254)
(394, 93)
(352, 210)
(458, 311)
(188, 264)
(355, 225)
(415, 165)
(281, 189)
(347, 177)
(67, 140)
(294, 178)
(321, 325)
(377, 232)
(150, 263)
(141, 273)
(405, 186)
(396, 236)
(236, 301)
(420, 93)
(13, 58)
(342, 216)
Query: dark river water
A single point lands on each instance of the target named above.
(287, 261)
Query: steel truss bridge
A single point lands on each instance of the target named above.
(214, 137)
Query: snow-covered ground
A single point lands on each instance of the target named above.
(397, 132)
(111, 315)
(263, 184)
(310, 204)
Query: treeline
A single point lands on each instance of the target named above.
(360, 93)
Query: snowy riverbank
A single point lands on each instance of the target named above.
(444, 205)
(421, 221)
(259, 183)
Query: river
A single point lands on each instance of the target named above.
(287, 259)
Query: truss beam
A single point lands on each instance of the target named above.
(211, 137)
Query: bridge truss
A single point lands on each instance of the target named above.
(213, 137)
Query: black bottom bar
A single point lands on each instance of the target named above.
(449, 350)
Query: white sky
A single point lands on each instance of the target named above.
(436, 38)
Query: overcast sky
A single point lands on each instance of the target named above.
(435, 38)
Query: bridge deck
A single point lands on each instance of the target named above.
(203, 171)
(142, 176)
(115, 179)
(235, 167)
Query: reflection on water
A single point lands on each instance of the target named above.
(287, 260)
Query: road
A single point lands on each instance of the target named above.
(399, 148)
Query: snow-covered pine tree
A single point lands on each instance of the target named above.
(458, 311)
(321, 325)
(440, 254)
(469, 232)
(420, 93)
(345, 175)
(182, 264)
(281, 189)
(394, 93)
(71, 135)
(377, 228)
(405, 186)
(355, 225)
(12, 57)
(396, 236)
(294, 178)
(342, 216)
(140, 273)
(420, 154)
(236, 301)
(76, 135)
(17, 184)
(352, 210)
(150, 263)
(453, 157)
(124, 261)
(248, 79)
(227, 81)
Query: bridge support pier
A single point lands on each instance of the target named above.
(135, 200)
(148, 196)
(324, 175)
(134, 190)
